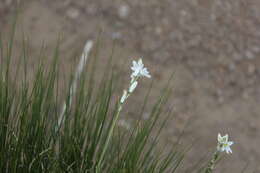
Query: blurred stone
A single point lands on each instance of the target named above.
(8, 2)
(253, 125)
(123, 11)
(66, 3)
(184, 13)
(251, 69)
(231, 67)
(73, 13)
(249, 55)
(158, 30)
(194, 41)
(237, 56)
(116, 35)
(256, 49)
(220, 97)
(92, 9)
(213, 17)
(245, 95)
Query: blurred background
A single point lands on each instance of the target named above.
(212, 46)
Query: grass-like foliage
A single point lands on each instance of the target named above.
(32, 140)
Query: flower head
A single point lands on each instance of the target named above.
(139, 69)
(224, 144)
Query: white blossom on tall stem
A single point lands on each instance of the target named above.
(138, 71)
(222, 146)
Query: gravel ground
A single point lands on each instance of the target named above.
(213, 47)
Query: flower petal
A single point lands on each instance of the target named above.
(140, 62)
(230, 143)
(219, 137)
(134, 63)
(225, 138)
(228, 150)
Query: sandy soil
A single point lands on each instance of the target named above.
(213, 46)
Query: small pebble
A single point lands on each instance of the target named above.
(116, 35)
(250, 55)
(237, 56)
(158, 30)
(251, 69)
(66, 3)
(8, 2)
(92, 9)
(245, 95)
(73, 13)
(123, 11)
(256, 49)
(231, 67)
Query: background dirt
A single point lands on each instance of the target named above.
(213, 46)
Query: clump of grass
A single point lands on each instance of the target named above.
(42, 130)
(39, 134)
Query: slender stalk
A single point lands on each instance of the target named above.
(138, 71)
(212, 163)
(125, 95)
(222, 146)
(110, 133)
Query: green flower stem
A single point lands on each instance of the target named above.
(110, 133)
(212, 163)
(111, 130)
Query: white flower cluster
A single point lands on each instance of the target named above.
(224, 144)
(138, 71)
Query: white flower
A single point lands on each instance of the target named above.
(139, 69)
(224, 144)
(133, 86)
(124, 96)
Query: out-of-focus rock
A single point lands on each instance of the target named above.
(116, 35)
(92, 9)
(251, 69)
(8, 2)
(123, 11)
(249, 55)
(231, 67)
(73, 13)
